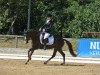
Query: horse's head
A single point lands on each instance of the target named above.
(27, 36)
(30, 34)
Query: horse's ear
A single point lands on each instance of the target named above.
(25, 32)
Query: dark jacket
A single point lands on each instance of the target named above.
(47, 26)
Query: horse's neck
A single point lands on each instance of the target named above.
(34, 37)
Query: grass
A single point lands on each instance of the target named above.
(11, 43)
(74, 43)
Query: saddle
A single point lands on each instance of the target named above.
(46, 38)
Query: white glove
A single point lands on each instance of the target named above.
(43, 30)
(40, 29)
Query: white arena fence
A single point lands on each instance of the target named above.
(57, 58)
(11, 41)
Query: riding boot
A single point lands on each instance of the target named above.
(44, 46)
(45, 42)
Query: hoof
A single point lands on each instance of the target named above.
(62, 64)
(45, 62)
(26, 63)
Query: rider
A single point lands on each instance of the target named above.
(46, 28)
(48, 23)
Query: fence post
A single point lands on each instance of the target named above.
(16, 41)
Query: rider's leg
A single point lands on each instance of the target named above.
(43, 41)
(46, 40)
(46, 35)
(44, 44)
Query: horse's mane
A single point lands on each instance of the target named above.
(32, 30)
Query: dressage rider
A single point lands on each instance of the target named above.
(46, 28)
(48, 24)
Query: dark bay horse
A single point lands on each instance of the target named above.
(57, 45)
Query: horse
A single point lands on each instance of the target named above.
(34, 36)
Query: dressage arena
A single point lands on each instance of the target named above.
(14, 64)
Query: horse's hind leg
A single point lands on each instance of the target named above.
(30, 52)
(63, 54)
(54, 53)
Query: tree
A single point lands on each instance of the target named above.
(72, 17)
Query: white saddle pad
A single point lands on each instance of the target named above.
(47, 35)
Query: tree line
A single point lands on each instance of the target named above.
(72, 16)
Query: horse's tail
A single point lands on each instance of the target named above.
(70, 48)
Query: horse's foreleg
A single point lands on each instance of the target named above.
(63, 54)
(54, 53)
(30, 52)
